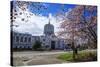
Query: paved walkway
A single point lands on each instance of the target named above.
(35, 53)
(36, 57)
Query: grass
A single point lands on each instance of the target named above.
(65, 56)
(81, 57)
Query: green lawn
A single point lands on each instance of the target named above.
(81, 57)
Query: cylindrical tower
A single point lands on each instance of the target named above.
(48, 29)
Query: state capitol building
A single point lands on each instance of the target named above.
(48, 40)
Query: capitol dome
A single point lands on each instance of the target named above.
(48, 29)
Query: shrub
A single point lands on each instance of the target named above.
(37, 45)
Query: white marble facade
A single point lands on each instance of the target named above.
(49, 39)
(21, 40)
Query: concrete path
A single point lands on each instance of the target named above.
(36, 57)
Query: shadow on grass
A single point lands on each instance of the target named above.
(82, 56)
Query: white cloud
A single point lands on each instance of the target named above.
(33, 24)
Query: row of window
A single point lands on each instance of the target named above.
(22, 47)
(22, 39)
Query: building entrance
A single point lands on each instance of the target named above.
(52, 44)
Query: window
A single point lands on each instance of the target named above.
(25, 39)
(29, 40)
(21, 39)
(43, 39)
(17, 39)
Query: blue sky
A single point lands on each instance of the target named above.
(35, 23)
(52, 8)
(34, 19)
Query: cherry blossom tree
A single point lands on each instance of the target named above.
(23, 6)
(80, 23)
